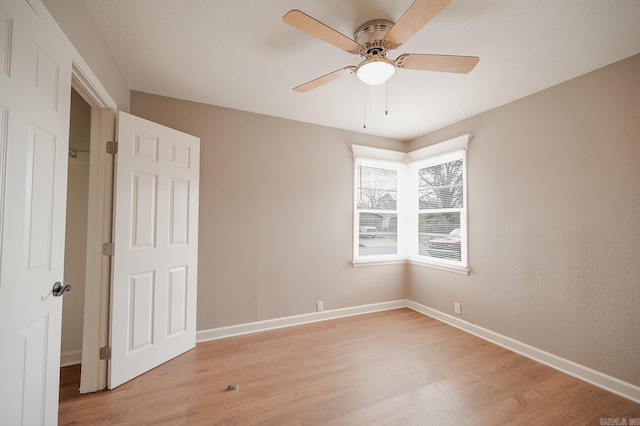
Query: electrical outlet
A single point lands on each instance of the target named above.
(456, 308)
(320, 306)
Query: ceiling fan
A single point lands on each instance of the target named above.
(375, 40)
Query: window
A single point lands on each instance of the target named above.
(422, 218)
(376, 218)
(441, 214)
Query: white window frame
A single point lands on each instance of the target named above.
(407, 166)
(414, 254)
(401, 175)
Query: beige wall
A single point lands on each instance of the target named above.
(76, 227)
(80, 123)
(75, 255)
(275, 218)
(554, 222)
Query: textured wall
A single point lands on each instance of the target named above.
(554, 222)
(276, 201)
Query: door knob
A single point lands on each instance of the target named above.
(59, 289)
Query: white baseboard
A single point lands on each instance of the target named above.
(70, 358)
(271, 324)
(589, 375)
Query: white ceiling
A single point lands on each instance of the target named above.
(239, 54)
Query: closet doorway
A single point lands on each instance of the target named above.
(75, 243)
(85, 312)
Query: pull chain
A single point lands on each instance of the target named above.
(386, 98)
(364, 108)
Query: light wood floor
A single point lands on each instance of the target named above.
(389, 368)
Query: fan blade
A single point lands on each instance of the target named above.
(442, 63)
(328, 78)
(416, 17)
(309, 25)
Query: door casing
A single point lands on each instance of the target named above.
(97, 279)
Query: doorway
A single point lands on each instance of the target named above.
(75, 243)
(89, 211)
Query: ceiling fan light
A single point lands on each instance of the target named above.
(375, 70)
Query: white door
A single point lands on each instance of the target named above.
(35, 87)
(154, 280)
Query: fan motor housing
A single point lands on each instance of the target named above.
(371, 35)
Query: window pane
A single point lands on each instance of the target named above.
(440, 186)
(377, 188)
(378, 234)
(439, 235)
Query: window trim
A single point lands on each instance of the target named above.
(416, 166)
(407, 208)
(401, 183)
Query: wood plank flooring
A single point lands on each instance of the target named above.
(388, 368)
(69, 382)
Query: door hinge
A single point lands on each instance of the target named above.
(105, 352)
(112, 147)
(108, 249)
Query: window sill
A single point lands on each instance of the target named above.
(462, 270)
(377, 262)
